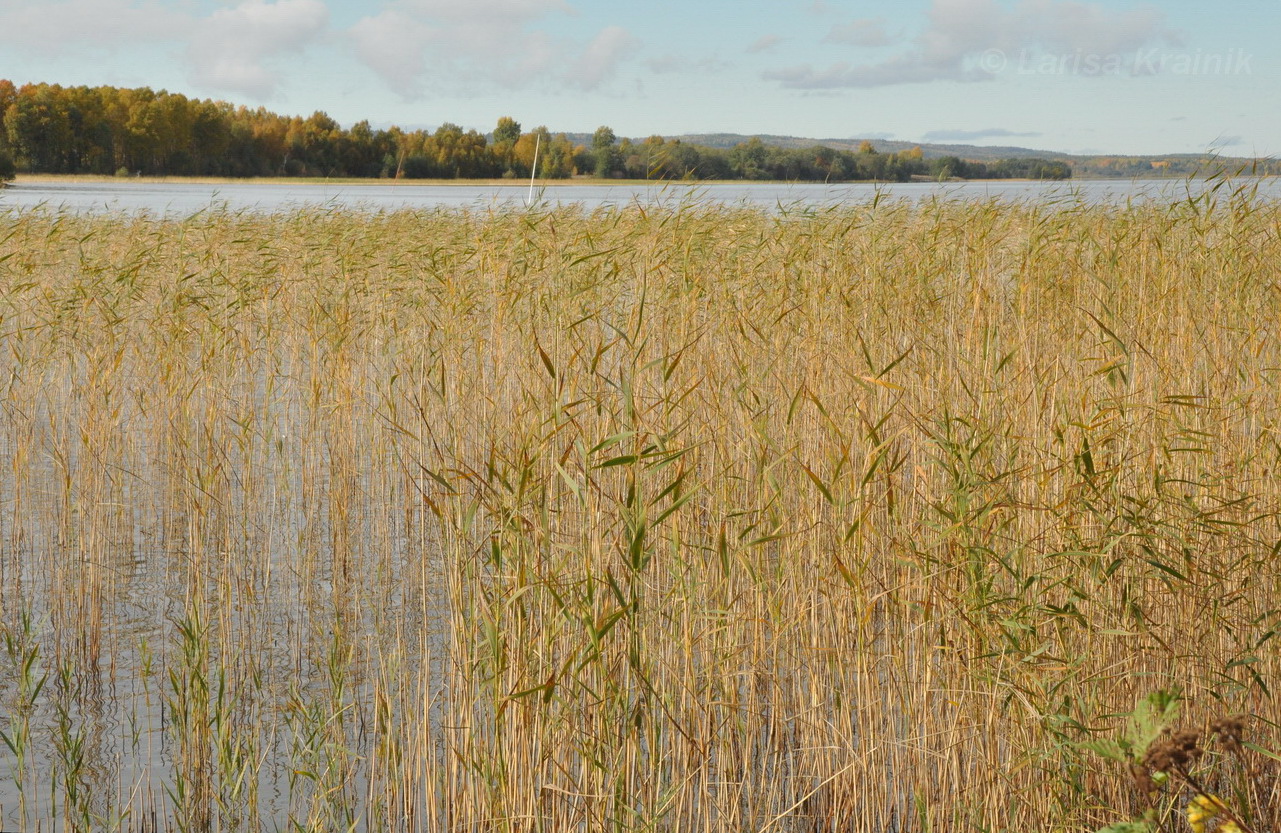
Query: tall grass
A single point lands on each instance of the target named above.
(682, 518)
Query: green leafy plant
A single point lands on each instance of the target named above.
(1171, 767)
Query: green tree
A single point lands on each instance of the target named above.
(603, 138)
(549, 153)
(506, 139)
(748, 159)
(38, 130)
(363, 151)
(7, 168)
(8, 95)
(678, 160)
(50, 128)
(946, 167)
(560, 158)
(508, 130)
(89, 148)
(606, 157)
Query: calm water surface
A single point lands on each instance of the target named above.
(115, 518)
(185, 198)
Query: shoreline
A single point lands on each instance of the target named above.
(593, 182)
(509, 183)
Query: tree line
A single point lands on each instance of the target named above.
(49, 128)
(1179, 167)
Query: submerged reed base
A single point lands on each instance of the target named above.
(684, 518)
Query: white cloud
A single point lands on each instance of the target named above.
(601, 57)
(54, 27)
(232, 49)
(412, 44)
(863, 32)
(392, 44)
(763, 43)
(960, 30)
(494, 12)
(235, 46)
(672, 62)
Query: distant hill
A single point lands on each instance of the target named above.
(975, 152)
(113, 130)
(1083, 166)
(729, 140)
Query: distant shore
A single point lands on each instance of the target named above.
(513, 183)
(539, 184)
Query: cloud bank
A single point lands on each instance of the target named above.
(960, 30)
(235, 46)
(232, 49)
(416, 44)
(52, 28)
(244, 47)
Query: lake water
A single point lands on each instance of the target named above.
(185, 198)
(277, 471)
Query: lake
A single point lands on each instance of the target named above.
(473, 519)
(186, 198)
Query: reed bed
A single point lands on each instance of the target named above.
(669, 518)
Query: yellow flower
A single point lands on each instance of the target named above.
(1205, 807)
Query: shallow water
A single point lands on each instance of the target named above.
(186, 198)
(234, 417)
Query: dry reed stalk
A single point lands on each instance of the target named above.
(682, 518)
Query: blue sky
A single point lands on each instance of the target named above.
(1092, 77)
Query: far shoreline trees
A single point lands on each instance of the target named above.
(48, 128)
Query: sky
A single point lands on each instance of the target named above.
(1063, 75)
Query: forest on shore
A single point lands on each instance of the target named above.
(48, 128)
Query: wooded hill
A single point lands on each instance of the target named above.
(1084, 166)
(48, 128)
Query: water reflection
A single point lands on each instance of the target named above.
(185, 198)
